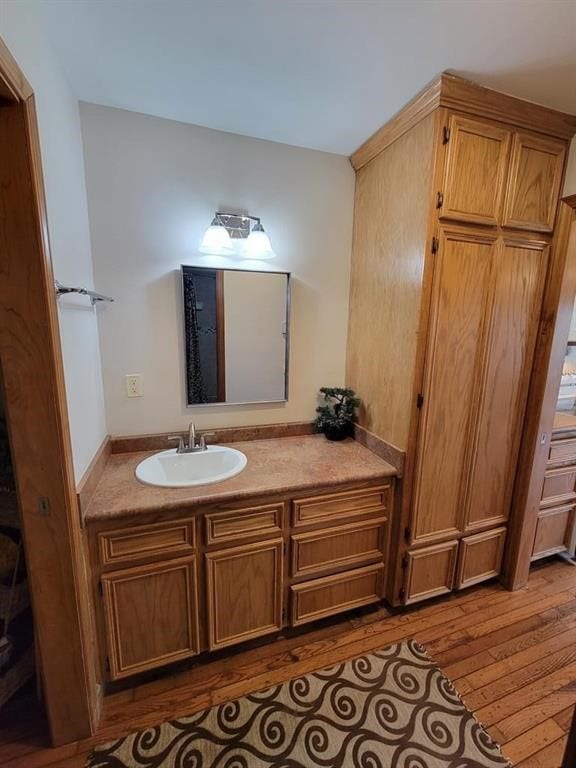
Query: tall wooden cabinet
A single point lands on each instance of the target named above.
(447, 293)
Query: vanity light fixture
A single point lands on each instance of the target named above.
(216, 239)
(234, 234)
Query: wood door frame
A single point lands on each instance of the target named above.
(550, 351)
(37, 414)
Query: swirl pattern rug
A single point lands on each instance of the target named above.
(389, 709)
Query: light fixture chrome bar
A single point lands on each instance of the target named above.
(237, 224)
(62, 290)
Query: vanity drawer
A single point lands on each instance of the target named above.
(252, 522)
(553, 531)
(341, 507)
(344, 546)
(562, 451)
(147, 541)
(330, 595)
(559, 486)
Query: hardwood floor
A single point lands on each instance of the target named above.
(512, 656)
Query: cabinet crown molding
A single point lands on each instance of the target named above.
(457, 93)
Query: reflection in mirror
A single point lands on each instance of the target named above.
(236, 335)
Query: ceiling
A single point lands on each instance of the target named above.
(323, 74)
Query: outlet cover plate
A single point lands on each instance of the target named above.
(134, 385)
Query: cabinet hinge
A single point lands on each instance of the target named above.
(283, 615)
(107, 664)
(407, 534)
(419, 401)
(402, 594)
(405, 562)
(435, 245)
(439, 200)
(100, 590)
(446, 135)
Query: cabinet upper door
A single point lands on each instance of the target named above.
(475, 171)
(534, 180)
(244, 592)
(517, 285)
(151, 615)
(453, 375)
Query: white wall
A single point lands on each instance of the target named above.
(153, 186)
(570, 181)
(62, 160)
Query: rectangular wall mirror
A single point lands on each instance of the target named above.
(236, 332)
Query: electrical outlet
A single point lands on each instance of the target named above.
(134, 385)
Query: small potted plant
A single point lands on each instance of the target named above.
(336, 417)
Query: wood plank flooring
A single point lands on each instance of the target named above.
(512, 656)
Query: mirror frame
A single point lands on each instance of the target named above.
(287, 335)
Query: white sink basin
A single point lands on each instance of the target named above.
(178, 470)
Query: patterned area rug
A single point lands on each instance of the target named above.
(390, 709)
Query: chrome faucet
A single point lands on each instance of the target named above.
(194, 443)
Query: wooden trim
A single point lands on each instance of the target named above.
(416, 110)
(13, 84)
(158, 442)
(38, 422)
(220, 337)
(466, 96)
(92, 475)
(463, 95)
(387, 451)
(546, 373)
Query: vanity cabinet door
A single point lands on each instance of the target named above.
(244, 592)
(151, 615)
(475, 171)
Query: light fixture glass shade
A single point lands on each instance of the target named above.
(258, 245)
(216, 240)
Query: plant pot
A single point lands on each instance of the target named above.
(338, 433)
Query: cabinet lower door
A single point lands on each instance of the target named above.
(151, 615)
(244, 592)
(430, 571)
(480, 557)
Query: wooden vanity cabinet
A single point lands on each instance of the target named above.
(169, 589)
(557, 513)
(443, 331)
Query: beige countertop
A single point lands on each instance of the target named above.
(281, 465)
